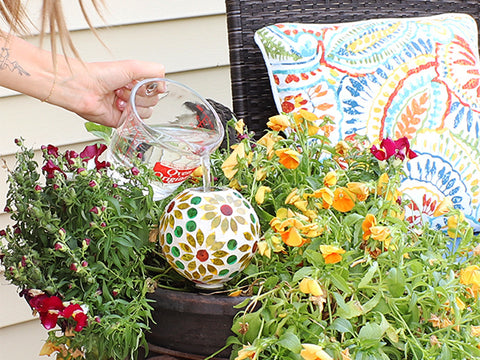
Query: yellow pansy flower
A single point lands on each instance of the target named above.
(314, 352)
(443, 207)
(330, 179)
(292, 197)
(260, 195)
(278, 122)
(229, 165)
(260, 174)
(264, 249)
(307, 115)
(342, 148)
(382, 183)
(360, 190)
(310, 286)
(268, 141)
(245, 353)
(49, 348)
(239, 126)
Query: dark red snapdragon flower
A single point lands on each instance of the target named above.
(76, 313)
(399, 148)
(52, 150)
(93, 152)
(70, 155)
(50, 169)
(49, 309)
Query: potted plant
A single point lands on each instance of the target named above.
(77, 250)
(340, 272)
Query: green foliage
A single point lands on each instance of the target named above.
(401, 296)
(83, 235)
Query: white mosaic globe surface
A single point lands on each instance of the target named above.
(209, 237)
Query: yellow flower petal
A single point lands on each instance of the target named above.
(278, 122)
(229, 165)
(260, 195)
(330, 179)
(314, 352)
(239, 126)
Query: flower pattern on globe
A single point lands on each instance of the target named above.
(417, 78)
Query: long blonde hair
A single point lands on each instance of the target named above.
(53, 21)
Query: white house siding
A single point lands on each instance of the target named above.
(188, 36)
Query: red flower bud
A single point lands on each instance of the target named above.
(73, 267)
(135, 171)
(58, 246)
(84, 263)
(92, 183)
(38, 188)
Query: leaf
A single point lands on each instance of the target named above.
(303, 272)
(368, 276)
(395, 281)
(101, 131)
(371, 331)
(342, 325)
(347, 310)
(314, 257)
(290, 341)
(271, 282)
(340, 283)
(250, 322)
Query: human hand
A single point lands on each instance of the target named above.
(102, 91)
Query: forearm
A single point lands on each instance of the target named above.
(30, 70)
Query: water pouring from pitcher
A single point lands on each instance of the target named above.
(173, 137)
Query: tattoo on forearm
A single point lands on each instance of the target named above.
(8, 64)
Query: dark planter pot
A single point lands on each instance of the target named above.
(190, 325)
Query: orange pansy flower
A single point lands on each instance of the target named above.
(331, 254)
(291, 237)
(343, 199)
(288, 158)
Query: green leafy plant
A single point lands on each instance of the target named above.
(77, 250)
(345, 270)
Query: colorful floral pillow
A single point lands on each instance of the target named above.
(413, 77)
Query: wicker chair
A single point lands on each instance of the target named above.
(252, 97)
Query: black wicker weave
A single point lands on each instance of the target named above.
(252, 97)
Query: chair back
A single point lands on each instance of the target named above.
(252, 97)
